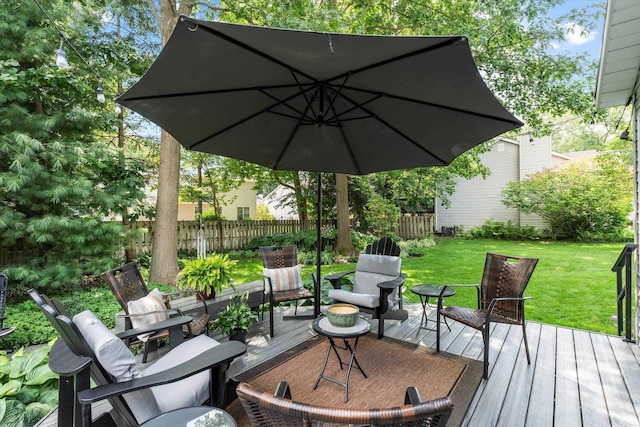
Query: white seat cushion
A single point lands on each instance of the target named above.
(370, 270)
(362, 300)
(114, 356)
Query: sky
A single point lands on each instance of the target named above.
(576, 42)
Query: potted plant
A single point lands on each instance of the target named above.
(235, 320)
(207, 275)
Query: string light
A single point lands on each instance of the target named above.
(61, 55)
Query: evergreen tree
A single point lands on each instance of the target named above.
(59, 179)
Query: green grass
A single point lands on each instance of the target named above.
(572, 286)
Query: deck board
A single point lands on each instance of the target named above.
(575, 377)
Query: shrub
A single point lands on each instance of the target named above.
(589, 198)
(417, 247)
(29, 390)
(501, 230)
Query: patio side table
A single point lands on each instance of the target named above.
(187, 416)
(426, 291)
(322, 326)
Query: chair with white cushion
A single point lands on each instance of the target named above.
(377, 287)
(143, 308)
(192, 373)
(283, 279)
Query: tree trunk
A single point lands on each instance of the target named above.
(164, 257)
(301, 202)
(344, 244)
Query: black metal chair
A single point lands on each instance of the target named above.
(283, 280)
(192, 373)
(500, 300)
(5, 331)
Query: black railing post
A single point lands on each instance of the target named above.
(625, 294)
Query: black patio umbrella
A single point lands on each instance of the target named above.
(320, 102)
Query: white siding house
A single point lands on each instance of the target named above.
(477, 200)
(617, 84)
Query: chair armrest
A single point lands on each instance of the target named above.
(392, 284)
(172, 323)
(216, 356)
(335, 278)
(66, 363)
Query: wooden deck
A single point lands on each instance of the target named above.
(576, 378)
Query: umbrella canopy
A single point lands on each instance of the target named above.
(324, 102)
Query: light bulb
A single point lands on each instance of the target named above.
(118, 108)
(100, 93)
(61, 59)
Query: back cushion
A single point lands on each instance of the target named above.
(284, 279)
(373, 269)
(154, 305)
(114, 356)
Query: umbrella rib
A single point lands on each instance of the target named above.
(249, 48)
(432, 104)
(447, 42)
(346, 141)
(393, 128)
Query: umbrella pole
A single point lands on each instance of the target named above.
(316, 307)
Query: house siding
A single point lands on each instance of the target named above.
(535, 156)
(478, 199)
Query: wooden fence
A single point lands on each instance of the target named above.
(237, 234)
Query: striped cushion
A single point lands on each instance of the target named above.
(154, 305)
(284, 279)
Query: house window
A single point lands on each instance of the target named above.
(243, 213)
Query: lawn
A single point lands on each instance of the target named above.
(572, 286)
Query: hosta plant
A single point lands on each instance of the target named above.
(28, 388)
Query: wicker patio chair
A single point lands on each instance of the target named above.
(94, 365)
(265, 409)
(500, 300)
(128, 287)
(378, 282)
(283, 280)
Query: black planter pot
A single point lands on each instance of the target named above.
(239, 335)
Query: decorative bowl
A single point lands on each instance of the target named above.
(342, 315)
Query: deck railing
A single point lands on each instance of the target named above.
(625, 295)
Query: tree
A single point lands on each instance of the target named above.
(164, 258)
(511, 43)
(210, 183)
(58, 178)
(584, 199)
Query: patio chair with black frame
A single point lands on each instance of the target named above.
(142, 307)
(500, 300)
(193, 372)
(283, 280)
(378, 282)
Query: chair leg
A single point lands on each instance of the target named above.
(295, 310)
(526, 344)
(437, 330)
(146, 351)
(485, 338)
(271, 320)
(380, 326)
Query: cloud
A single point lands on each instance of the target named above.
(577, 35)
